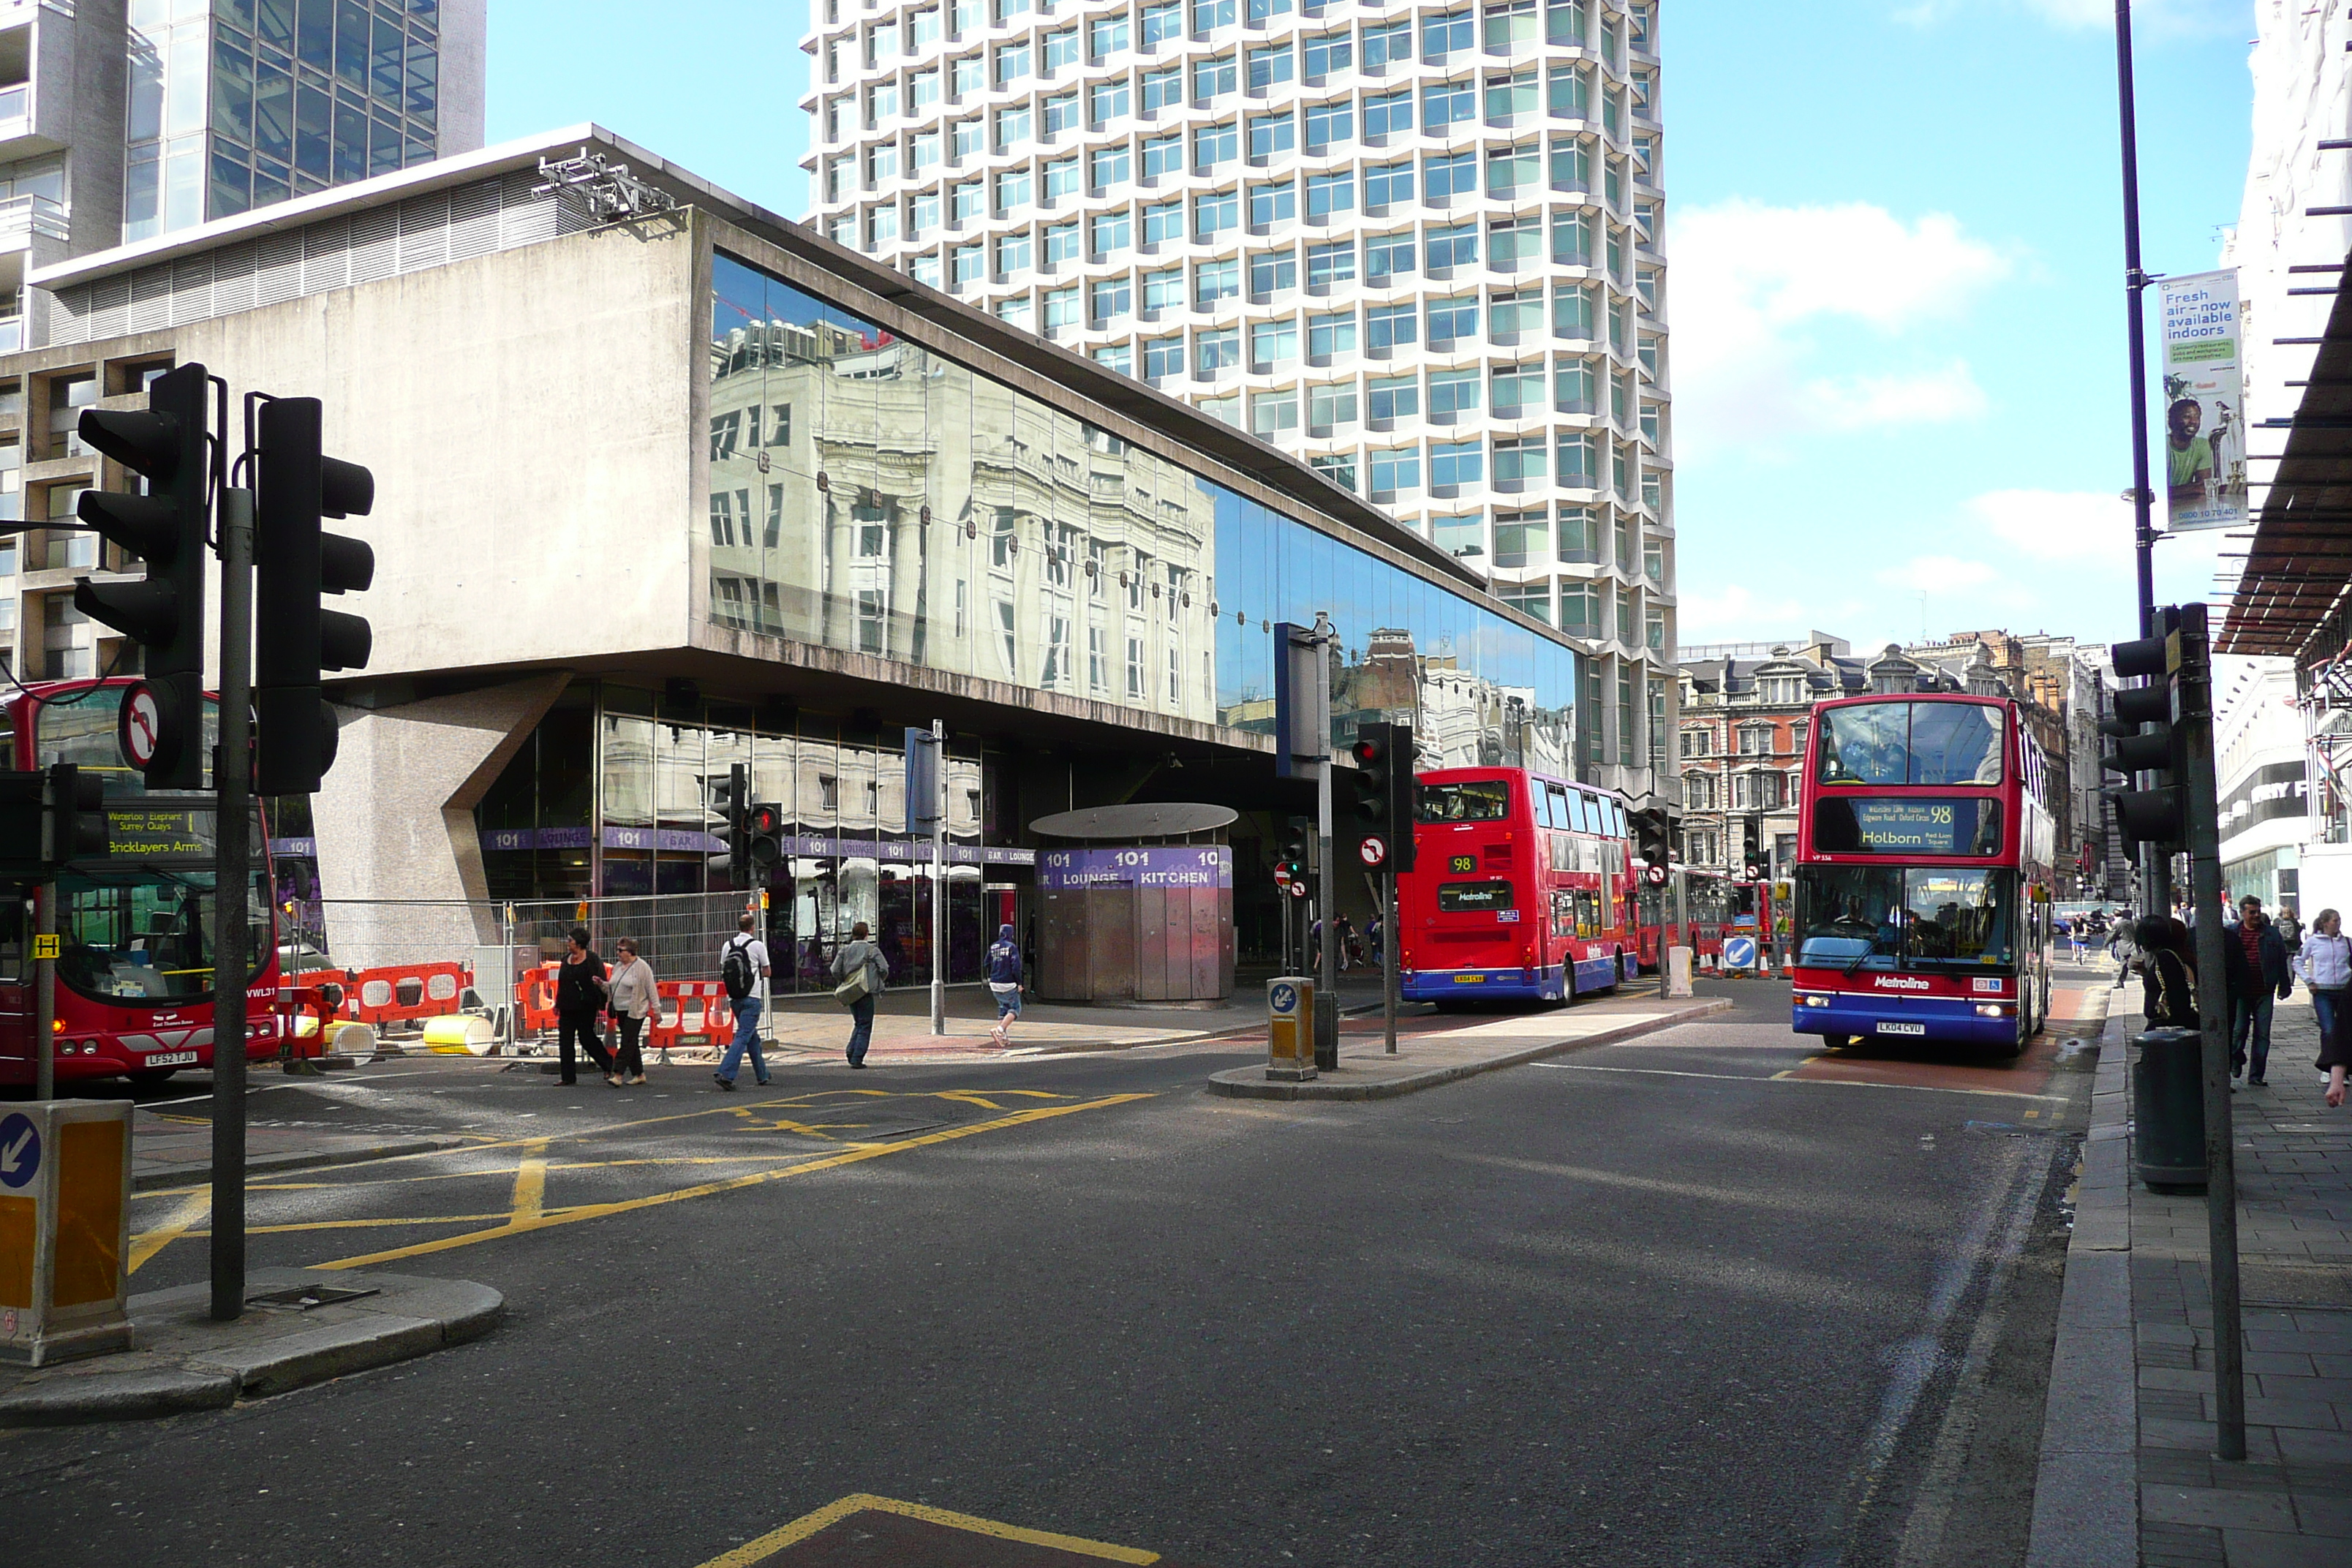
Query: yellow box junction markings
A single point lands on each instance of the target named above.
(832, 1513)
(528, 1211)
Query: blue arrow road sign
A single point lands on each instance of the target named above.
(20, 1150)
(1739, 951)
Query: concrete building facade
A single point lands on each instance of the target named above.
(666, 484)
(1420, 245)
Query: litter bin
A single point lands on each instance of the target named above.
(2169, 1109)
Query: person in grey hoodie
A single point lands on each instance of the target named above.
(2325, 962)
(855, 952)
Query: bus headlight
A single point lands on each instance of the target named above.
(1812, 1001)
(1994, 1010)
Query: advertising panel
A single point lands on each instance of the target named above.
(2201, 448)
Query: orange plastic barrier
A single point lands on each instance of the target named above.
(404, 992)
(691, 1010)
(535, 999)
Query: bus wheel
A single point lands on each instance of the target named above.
(1836, 1042)
(152, 1078)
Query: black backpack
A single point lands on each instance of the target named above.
(735, 969)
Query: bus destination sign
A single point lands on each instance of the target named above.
(153, 829)
(1892, 824)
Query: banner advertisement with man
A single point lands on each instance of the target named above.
(2201, 449)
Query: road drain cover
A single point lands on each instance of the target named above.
(302, 1297)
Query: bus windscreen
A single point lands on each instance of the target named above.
(1905, 824)
(1474, 800)
(1911, 744)
(1920, 917)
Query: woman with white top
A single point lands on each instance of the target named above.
(2326, 965)
(633, 1000)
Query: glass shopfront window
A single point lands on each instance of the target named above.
(863, 488)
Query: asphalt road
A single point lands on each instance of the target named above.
(1651, 1304)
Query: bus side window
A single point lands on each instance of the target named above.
(1538, 804)
(1588, 916)
(1560, 815)
(12, 939)
(1563, 914)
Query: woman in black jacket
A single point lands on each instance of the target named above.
(2168, 966)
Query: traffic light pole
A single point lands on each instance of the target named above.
(1389, 958)
(45, 991)
(1327, 906)
(232, 779)
(940, 883)
(2214, 1022)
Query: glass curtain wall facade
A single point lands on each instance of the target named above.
(236, 104)
(618, 793)
(1419, 245)
(868, 494)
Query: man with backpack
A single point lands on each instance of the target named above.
(742, 964)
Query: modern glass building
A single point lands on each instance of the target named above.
(1418, 244)
(667, 485)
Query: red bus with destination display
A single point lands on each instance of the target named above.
(134, 975)
(1924, 866)
(1697, 910)
(1522, 888)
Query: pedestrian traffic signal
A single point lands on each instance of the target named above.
(166, 525)
(48, 818)
(2148, 724)
(1382, 783)
(296, 485)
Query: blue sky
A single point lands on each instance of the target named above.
(1895, 274)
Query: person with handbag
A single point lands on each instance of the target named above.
(742, 964)
(580, 987)
(861, 970)
(2325, 962)
(1004, 983)
(633, 999)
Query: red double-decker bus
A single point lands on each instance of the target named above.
(1924, 863)
(134, 972)
(1521, 888)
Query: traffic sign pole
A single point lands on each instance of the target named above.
(44, 990)
(1389, 958)
(232, 882)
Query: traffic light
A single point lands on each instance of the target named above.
(1299, 853)
(296, 485)
(1382, 783)
(763, 837)
(1757, 866)
(2147, 725)
(733, 804)
(166, 444)
(1651, 842)
(48, 818)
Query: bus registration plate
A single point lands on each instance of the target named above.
(171, 1059)
(1902, 1028)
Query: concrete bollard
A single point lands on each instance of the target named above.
(1679, 972)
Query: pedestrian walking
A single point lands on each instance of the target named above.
(862, 972)
(742, 964)
(2290, 932)
(2168, 966)
(2121, 945)
(2326, 965)
(1004, 983)
(2255, 971)
(1376, 931)
(634, 999)
(580, 987)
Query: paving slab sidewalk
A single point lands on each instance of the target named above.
(1367, 1071)
(181, 1360)
(2127, 1472)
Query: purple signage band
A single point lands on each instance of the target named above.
(687, 841)
(1157, 866)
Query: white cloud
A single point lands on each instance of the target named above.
(1936, 575)
(1756, 287)
(2081, 527)
(1733, 615)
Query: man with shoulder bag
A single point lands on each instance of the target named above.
(862, 970)
(742, 964)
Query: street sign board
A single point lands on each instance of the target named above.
(1297, 890)
(1282, 875)
(20, 1150)
(1655, 875)
(1739, 953)
(1374, 850)
(139, 725)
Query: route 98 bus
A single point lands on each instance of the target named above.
(1924, 863)
(1521, 890)
(134, 975)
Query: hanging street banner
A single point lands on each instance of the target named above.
(2201, 450)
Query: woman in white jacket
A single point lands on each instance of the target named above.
(2326, 965)
(633, 999)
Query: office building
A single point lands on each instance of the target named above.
(1420, 245)
(665, 484)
